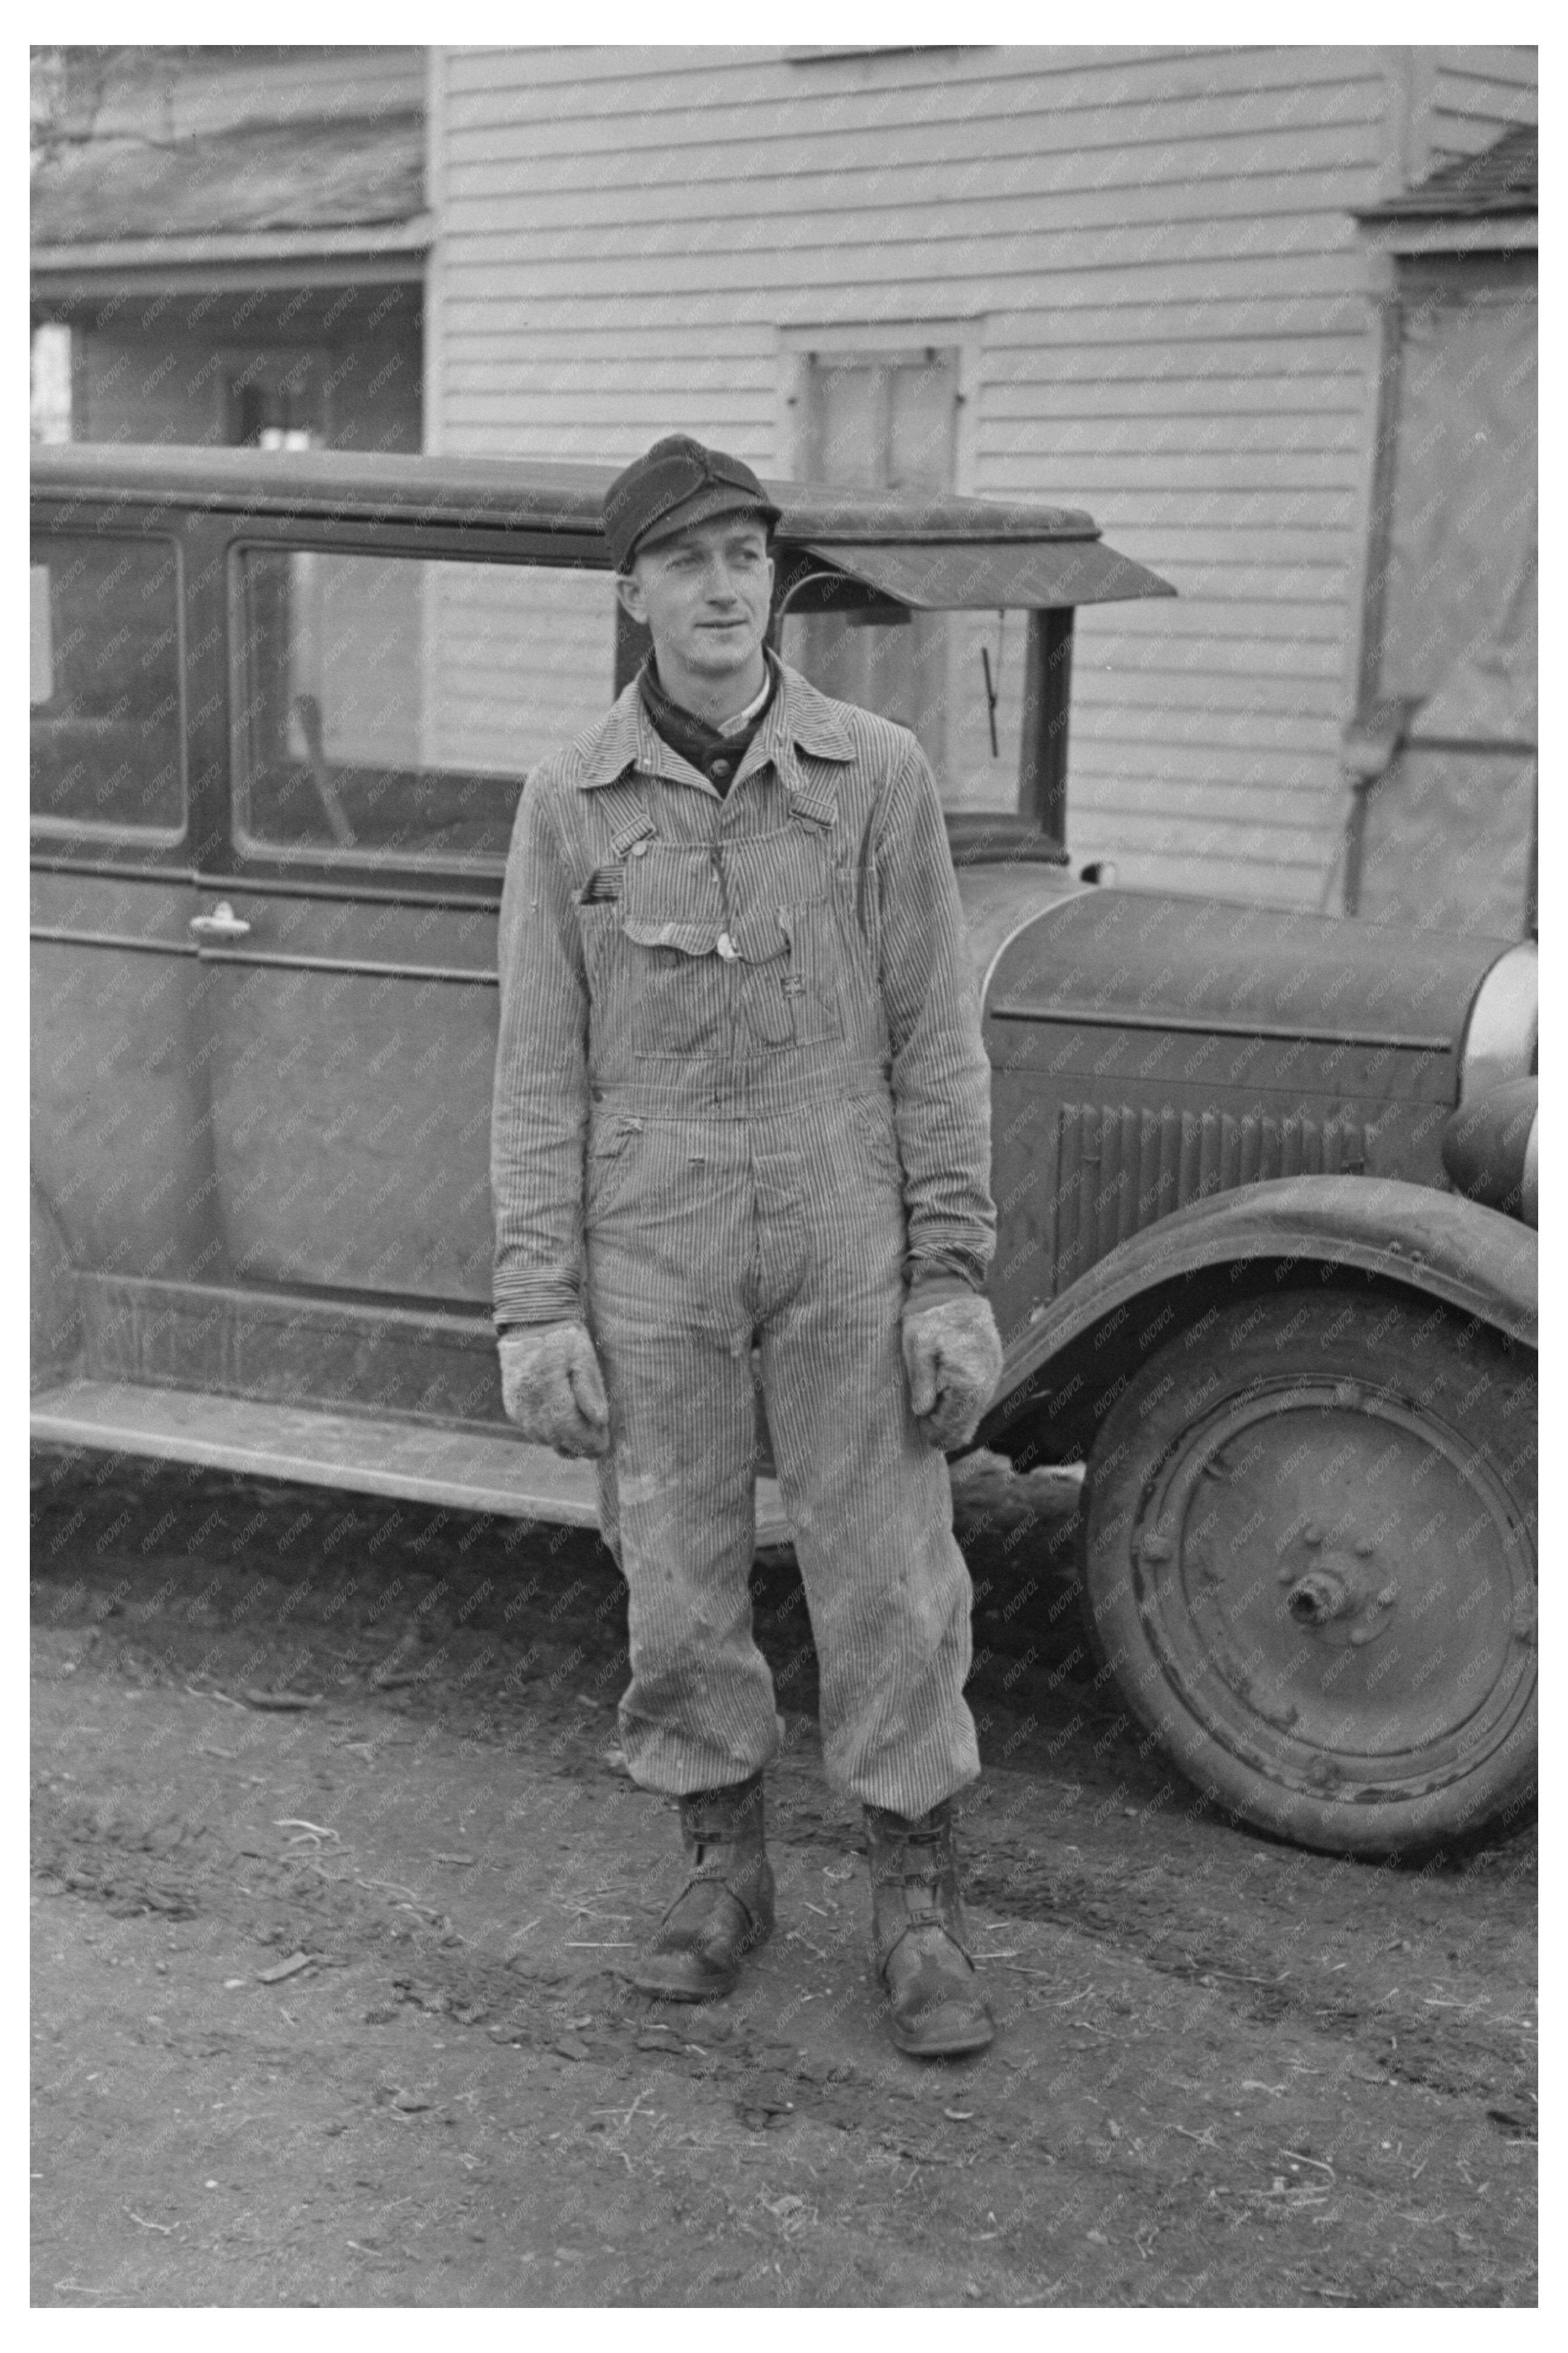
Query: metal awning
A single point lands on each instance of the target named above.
(957, 574)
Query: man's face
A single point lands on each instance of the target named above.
(704, 595)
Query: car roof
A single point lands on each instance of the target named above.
(535, 494)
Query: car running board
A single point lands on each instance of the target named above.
(468, 1470)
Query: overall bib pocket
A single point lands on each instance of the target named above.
(782, 927)
(673, 916)
(731, 945)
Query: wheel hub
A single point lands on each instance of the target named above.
(1342, 1597)
(1336, 1581)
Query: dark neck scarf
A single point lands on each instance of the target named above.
(714, 755)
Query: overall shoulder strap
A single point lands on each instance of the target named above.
(812, 798)
(624, 807)
(814, 807)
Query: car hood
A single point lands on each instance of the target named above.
(1114, 959)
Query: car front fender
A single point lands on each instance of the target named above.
(1451, 1249)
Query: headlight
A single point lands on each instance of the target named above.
(1501, 1034)
(1489, 1149)
(1530, 1190)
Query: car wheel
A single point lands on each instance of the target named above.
(1310, 1564)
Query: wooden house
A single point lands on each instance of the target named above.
(1127, 280)
(1139, 280)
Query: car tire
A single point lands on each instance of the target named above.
(1309, 1561)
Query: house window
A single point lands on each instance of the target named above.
(274, 400)
(51, 385)
(882, 421)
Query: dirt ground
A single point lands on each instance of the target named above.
(326, 2007)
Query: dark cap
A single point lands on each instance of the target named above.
(670, 487)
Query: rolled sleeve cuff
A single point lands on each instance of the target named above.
(536, 1299)
(933, 1280)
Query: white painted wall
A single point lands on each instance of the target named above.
(1148, 259)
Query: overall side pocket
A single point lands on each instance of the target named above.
(608, 1166)
(873, 1123)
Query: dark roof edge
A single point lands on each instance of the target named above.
(1415, 206)
(1498, 179)
(408, 233)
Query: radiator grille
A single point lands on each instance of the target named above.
(1120, 1169)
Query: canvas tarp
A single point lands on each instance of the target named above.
(1448, 830)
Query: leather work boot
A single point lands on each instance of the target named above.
(918, 1941)
(726, 1907)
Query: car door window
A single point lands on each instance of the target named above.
(107, 732)
(388, 709)
(877, 659)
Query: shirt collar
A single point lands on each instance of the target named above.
(743, 719)
(626, 737)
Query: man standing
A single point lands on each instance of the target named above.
(742, 1102)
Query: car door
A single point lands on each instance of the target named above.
(120, 1148)
(388, 693)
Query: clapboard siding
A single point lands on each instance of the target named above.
(1244, 585)
(1152, 261)
(1108, 767)
(1211, 369)
(1321, 415)
(503, 88)
(1242, 624)
(1145, 801)
(1082, 273)
(1323, 410)
(1253, 660)
(1225, 699)
(1310, 450)
(1476, 94)
(1163, 482)
(649, 322)
(1162, 180)
(1129, 73)
(802, 131)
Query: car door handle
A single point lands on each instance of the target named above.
(222, 924)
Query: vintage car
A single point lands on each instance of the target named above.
(1266, 1179)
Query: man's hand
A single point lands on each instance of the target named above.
(953, 1354)
(552, 1387)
